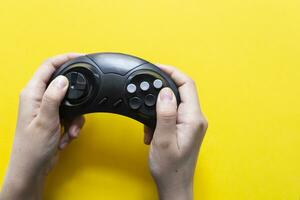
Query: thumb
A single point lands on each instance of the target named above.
(166, 110)
(53, 96)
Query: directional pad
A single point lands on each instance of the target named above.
(78, 86)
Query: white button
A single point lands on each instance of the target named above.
(131, 88)
(144, 86)
(157, 84)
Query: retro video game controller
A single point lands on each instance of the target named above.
(113, 83)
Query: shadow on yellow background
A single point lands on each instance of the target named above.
(243, 55)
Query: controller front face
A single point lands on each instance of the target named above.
(114, 83)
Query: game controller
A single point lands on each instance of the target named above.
(114, 83)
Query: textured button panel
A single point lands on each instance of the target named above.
(142, 89)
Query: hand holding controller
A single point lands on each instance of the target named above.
(119, 87)
(114, 83)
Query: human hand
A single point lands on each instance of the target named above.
(176, 141)
(38, 132)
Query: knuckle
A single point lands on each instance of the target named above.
(33, 83)
(167, 117)
(194, 122)
(26, 94)
(29, 92)
(190, 81)
(167, 114)
(166, 123)
(43, 123)
(40, 123)
(205, 124)
(199, 123)
(50, 99)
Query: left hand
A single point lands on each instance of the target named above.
(38, 132)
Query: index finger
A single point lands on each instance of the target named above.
(43, 74)
(186, 86)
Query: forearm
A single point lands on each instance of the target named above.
(177, 189)
(17, 188)
(176, 194)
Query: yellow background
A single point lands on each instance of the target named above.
(243, 55)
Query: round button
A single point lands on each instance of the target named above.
(158, 83)
(150, 100)
(144, 86)
(131, 88)
(135, 103)
(78, 86)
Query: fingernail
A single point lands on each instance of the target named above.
(166, 94)
(74, 132)
(63, 145)
(60, 82)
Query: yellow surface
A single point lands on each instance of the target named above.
(243, 55)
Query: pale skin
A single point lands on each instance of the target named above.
(39, 138)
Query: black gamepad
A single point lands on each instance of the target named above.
(114, 83)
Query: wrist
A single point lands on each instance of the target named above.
(18, 187)
(176, 193)
(175, 189)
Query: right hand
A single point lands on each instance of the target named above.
(176, 141)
